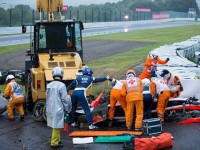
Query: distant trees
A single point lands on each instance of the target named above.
(16, 16)
(3, 17)
(176, 5)
(95, 13)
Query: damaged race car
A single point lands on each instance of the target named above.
(18, 74)
(176, 108)
(98, 108)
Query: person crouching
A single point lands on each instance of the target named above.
(14, 94)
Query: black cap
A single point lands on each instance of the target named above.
(164, 72)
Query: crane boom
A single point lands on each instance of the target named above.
(49, 6)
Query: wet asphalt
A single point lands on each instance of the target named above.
(33, 135)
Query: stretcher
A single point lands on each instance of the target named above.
(103, 133)
(114, 139)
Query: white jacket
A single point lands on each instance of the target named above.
(57, 103)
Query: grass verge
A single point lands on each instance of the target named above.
(13, 48)
(118, 64)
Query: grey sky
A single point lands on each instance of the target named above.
(32, 3)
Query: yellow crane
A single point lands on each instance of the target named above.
(50, 48)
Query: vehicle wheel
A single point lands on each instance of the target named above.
(44, 113)
(38, 110)
(28, 93)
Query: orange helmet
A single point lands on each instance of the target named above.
(130, 72)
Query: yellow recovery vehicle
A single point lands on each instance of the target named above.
(55, 43)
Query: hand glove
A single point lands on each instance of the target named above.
(108, 77)
(154, 97)
(167, 59)
(181, 88)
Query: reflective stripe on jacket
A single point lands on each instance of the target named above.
(13, 90)
(132, 89)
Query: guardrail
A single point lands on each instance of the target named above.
(179, 65)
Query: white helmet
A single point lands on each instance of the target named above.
(153, 54)
(57, 72)
(79, 73)
(9, 77)
(146, 82)
(113, 82)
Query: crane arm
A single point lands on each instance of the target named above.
(49, 6)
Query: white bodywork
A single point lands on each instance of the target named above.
(187, 71)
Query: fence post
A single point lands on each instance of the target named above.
(70, 14)
(33, 16)
(105, 16)
(22, 19)
(85, 16)
(110, 15)
(77, 16)
(99, 15)
(92, 15)
(120, 15)
(115, 15)
(10, 17)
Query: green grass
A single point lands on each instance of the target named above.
(3, 86)
(13, 48)
(120, 62)
(117, 65)
(163, 35)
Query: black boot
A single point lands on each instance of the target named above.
(110, 123)
(60, 145)
(22, 118)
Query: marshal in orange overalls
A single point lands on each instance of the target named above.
(116, 96)
(132, 89)
(159, 87)
(173, 83)
(14, 93)
(150, 66)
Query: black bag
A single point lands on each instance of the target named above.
(128, 145)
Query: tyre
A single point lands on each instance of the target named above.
(38, 110)
(44, 113)
(28, 92)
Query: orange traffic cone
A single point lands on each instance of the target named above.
(66, 121)
(97, 100)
